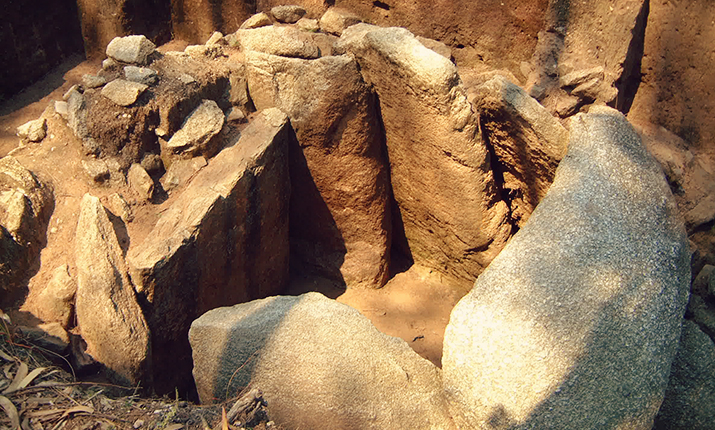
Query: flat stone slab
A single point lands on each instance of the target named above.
(123, 93)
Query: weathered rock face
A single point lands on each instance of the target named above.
(108, 315)
(224, 240)
(25, 208)
(441, 177)
(340, 215)
(575, 324)
(283, 41)
(318, 363)
(527, 141)
(589, 51)
(690, 398)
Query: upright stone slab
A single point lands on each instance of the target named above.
(320, 364)
(453, 217)
(340, 213)
(108, 315)
(575, 324)
(527, 140)
(223, 241)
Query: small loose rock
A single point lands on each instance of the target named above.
(289, 14)
(34, 131)
(123, 93)
(141, 75)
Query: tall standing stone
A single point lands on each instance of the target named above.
(453, 217)
(576, 323)
(108, 315)
(340, 213)
(224, 240)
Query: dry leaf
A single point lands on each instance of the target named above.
(78, 410)
(11, 412)
(19, 376)
(224, 421)
(26, 381)
(6, 357)
(174, 427)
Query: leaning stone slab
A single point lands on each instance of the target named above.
(527, 140)
(108, 315)
(576, 323)
(224, 240)
(131, 49)
(283, 41)
(340, 211)
(258, 20)
(318, 363)
(454, 219)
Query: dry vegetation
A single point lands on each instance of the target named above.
(39, 391)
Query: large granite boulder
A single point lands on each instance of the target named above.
(576, 323)
(340, 213)
(108, 315)
(224, 240)
(690, 398)
(528, 143)
(318, 363)
(454, 219)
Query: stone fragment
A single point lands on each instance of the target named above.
(108, 315)
(140, 75)
(34, 130)
(283, 41)
(690, 398)
(152, 163)
(216, 39)
(109, 64)
(93, 81)
(140, 181)
(123, 93)
(62, 109)
(335, 20)
(119, 207)
(181, 171)
(702, 282)
(77, 121)
(235, 115)
(196, 135)
(96, 169)
(307, 24)
(56, 301)
(224, 240)
(289, 14)
(578, 77)
(314, 374)
(527, 140)
(238, 92)
(66, 96)
(576, 322)
(131, 49)
(702, 213)
(25, 208)
(255, 21)
(453, 217)
(340, 212)
(437, 47)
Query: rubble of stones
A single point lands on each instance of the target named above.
(285, 144)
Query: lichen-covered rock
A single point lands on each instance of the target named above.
(318, 363)
(576, 323)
